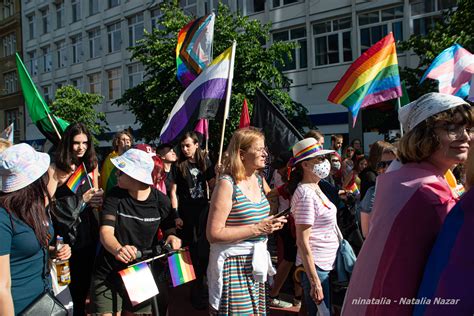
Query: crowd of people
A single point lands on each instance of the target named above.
(406, 219)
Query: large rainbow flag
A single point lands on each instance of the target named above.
(194, 48)
(371, 79)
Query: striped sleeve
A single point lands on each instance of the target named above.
(303, 207)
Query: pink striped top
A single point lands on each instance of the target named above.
(315, 209)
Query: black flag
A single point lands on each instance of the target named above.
(280, 135)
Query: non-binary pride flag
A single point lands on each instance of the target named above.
(371, 79)
(200, 100)
(181, 267)
(77, 178)
(194, 48)
(453, 69)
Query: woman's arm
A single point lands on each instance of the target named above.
(221, 204)
(303, 233)
(6, 300)
(95, 177)
(123, 253)
(364, 223)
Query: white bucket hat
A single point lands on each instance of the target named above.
(426, 106)
(306, 149)
(137, 164)
(21, 165)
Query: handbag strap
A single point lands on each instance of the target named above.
(338, 233)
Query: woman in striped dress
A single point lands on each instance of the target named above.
(237, 230)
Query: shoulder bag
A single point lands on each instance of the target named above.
(345, 258)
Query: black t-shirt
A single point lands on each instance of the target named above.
(191, 187)
(136, 223)
(168, 181)
(367, 180)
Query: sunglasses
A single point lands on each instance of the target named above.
(384, 164)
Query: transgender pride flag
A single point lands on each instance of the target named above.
(453, 69)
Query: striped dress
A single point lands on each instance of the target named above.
(241, 295)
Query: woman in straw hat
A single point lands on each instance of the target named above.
(25, 228)
(237, 229)
(132, 213)
(315, 220)
(410, 206)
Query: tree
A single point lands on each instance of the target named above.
(453, 27)
(255, 66)
(72, 105)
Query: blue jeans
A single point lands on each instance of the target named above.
(306, 285)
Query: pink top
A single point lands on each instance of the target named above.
(410, 206)
(312, 208)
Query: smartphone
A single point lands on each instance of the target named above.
(283, 213)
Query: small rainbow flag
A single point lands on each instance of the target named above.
(371, 79)
(194, 48)
(353, 189)
(181, 267)
(139, 282)
(77, 178)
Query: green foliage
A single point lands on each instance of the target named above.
(152, 100)
(455, 27)
(72, 105)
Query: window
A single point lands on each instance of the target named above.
(114, 36)
(76, 10)
(113, 3)
(45, 20)
(59, 15)
(135, 75)
(114, 79)
(213, 5)
(332, 41)
(76, 43)
(61, 84)
(189, 7)
(8, 8)
(377, 24)
(426, 13)
(62, 53)
(95, 83)
(13, 116)
(279, 3)
(94, 43)
(11, 82)
(31, 26)
(8, 45)
(47, 93)
(299, 58)
(155, 17)
(77, 83)
(93, 7)
(135, 29)
(33, 62)
(246, 7)
(47, 59)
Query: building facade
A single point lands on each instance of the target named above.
(84, 43)
(11, 100)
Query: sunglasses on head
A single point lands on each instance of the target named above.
(384, 164)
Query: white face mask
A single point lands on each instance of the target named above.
(336, 165)
(321, 170)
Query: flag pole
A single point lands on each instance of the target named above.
(87, 176)
(227, 100)
(399, 105)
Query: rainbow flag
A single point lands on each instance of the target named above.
(77, 178)
(194, 48)
(181, 267)
(139, 282)
(371, 79)
(353, 189)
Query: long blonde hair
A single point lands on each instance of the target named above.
(242, 139)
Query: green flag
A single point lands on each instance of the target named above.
(404, 99)
(37, 107)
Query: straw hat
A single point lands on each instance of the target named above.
(426, 106)
(137, 164)
(306, 149)
(21, 165)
